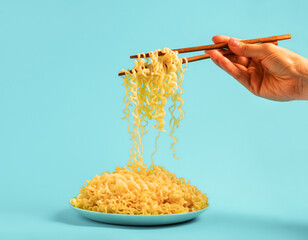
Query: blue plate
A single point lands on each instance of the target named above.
(138, 220)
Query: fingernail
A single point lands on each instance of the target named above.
(233, 42)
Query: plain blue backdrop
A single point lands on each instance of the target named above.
(61, 108)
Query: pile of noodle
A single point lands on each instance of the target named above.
(156, 191)
(137, 189)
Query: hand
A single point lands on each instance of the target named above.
(266, 70)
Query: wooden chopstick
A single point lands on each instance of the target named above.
(224, 45)
(206, 56)
(223, 52)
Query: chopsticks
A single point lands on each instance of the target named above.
(223, 52)
(223, 47)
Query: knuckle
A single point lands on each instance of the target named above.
(235, 74)
(245, 48)
(268, 47)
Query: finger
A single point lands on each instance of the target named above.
(236, 59)
(220, 39)
(258, 51)
(244, 61)
(238, 72)
(232, 57)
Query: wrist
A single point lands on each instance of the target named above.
(304, 81)
(305, 88)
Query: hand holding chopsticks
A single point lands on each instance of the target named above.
(267, 71)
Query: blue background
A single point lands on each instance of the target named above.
(61, 108)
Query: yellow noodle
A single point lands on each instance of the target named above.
(136, 189)
(154, 192)
(148, 87)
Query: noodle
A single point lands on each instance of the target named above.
(137, 189)
(147, 88)
(127, 192)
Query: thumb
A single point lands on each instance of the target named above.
(259, 51)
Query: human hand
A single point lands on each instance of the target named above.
(266, 70)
